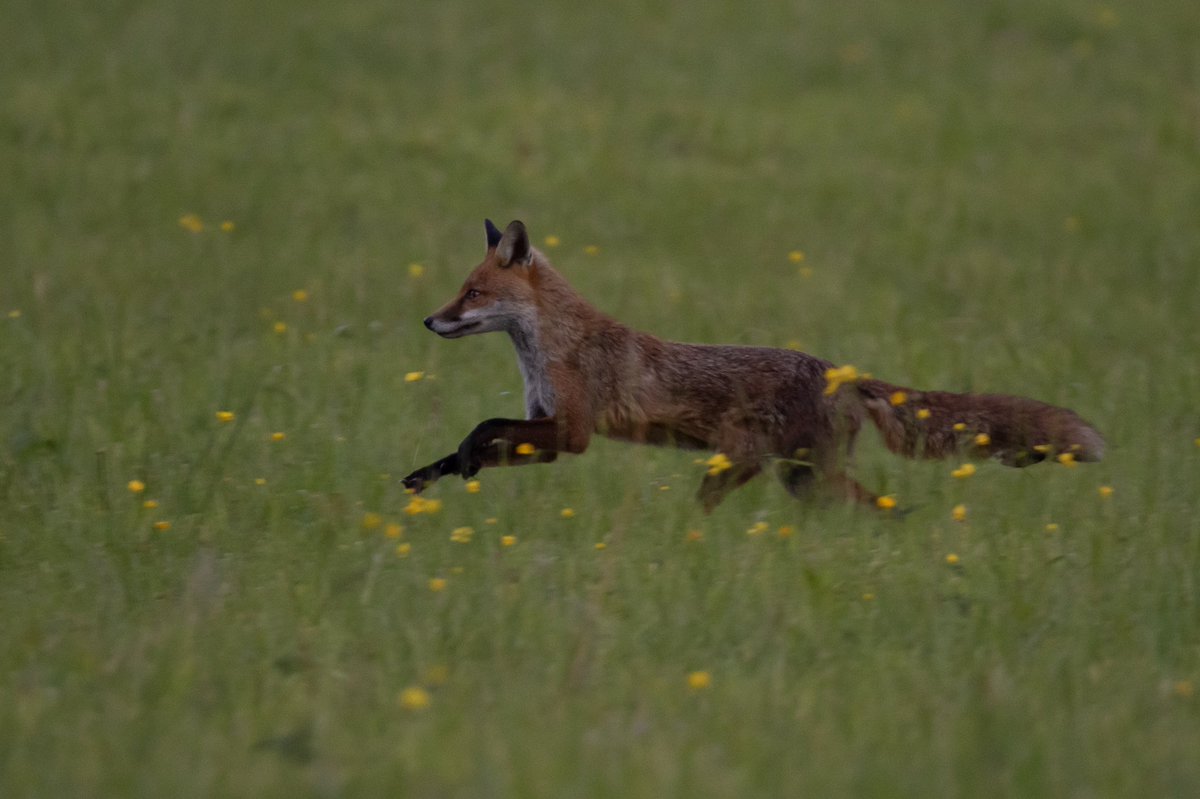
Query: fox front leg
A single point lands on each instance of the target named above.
(499, 442)
(418, 480)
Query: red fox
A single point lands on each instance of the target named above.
(586, 373)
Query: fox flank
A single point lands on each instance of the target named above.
(585, 373)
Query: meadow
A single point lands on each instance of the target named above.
(221, 225)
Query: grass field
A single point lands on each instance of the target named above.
(996, 196)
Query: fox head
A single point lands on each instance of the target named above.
(498, 294)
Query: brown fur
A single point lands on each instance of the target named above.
(586, 373)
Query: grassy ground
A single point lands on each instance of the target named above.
(996, 196)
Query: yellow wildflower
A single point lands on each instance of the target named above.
(415, 271)
(952, 559)
(964, 471)
(838, 376)
(403, 549)
(699, 680)
(162, 525)
(508, 540)
(868, 597)
(136, 486)
(526, 449)
(413, 377)
(414, 698)
(1042, 448)
(959, 513)
(191, 223)
(1105, 491)
(418, 505)
(960, 426)
(150, 504)
(1067, 459)
(717, 464)
(462, 535)
(923, 414)
(491, 520)
(886, 502)
(280, 328)
(898, 398)
(260, 481)
(796, 256)
(300, 295)
(472, 486)
(227, 226)
(982, 440)
(785, 531)
(591, 249)
(15, 313)
(567, 513)
(758, 528)
(601, 545)
(278, 436)
(225, 417)
(552, 241)
(371, 520)
(393, 530)
(695, 535)
(437, 584)
(1051, 528)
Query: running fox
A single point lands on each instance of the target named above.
(586, 373)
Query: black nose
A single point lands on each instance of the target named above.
(429, 322)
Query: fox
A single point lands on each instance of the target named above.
(758, 408)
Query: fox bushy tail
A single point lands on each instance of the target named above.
(1017, 431)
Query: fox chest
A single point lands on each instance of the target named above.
(539, 391)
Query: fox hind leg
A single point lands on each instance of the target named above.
(714, 487)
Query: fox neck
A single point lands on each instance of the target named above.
(539, 391)
(554, 328)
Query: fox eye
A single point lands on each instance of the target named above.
(472, 294)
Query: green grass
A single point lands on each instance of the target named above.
(994, 197)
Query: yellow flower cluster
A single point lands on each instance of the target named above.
(959, 513)
(838, 376)
(699, 680)
(718, 463)
(414, 377)
(963, 472)
(758, 528)
(898, 398)
(982, 440)
(886, 502)
(414, 698)
(526, 449)
(418, 505)
(462, 535)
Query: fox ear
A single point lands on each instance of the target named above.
(514, 245)
(493, 234)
